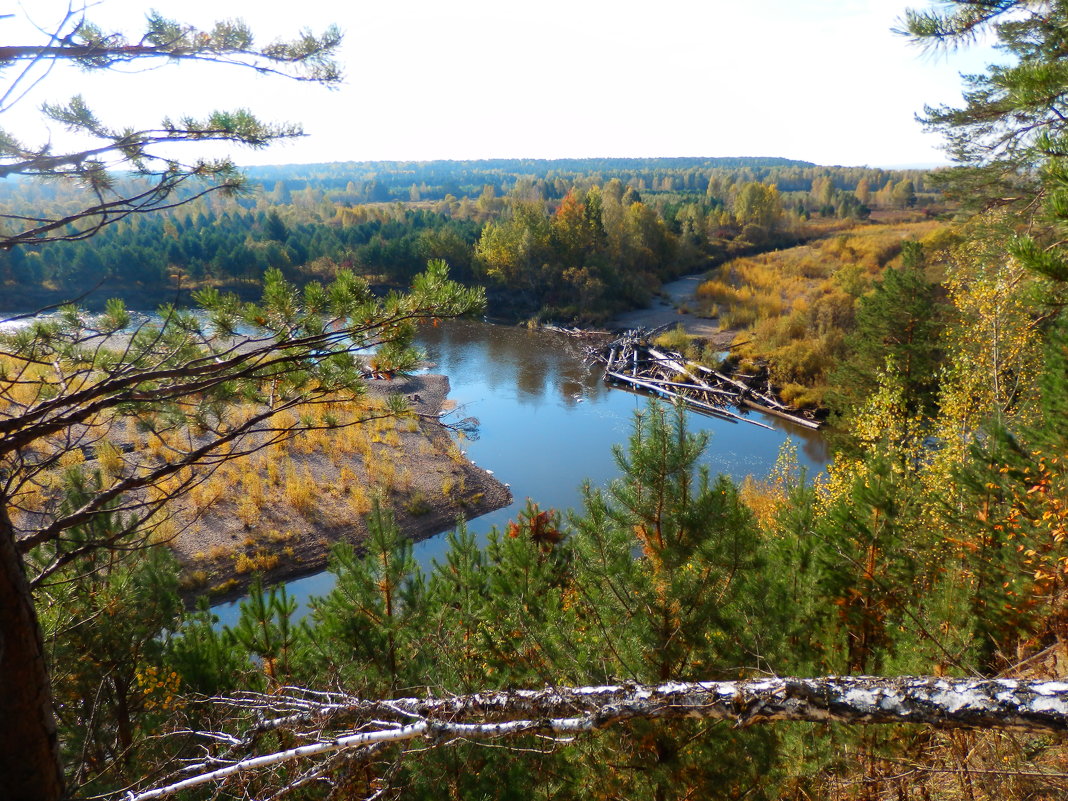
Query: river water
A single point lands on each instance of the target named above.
(546, 423)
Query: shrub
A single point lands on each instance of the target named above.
(417, 504)
(676, 339)
(257, 562)
(300, 490)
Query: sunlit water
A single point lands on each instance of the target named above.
(546, 423)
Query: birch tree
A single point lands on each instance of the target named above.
(327, 731)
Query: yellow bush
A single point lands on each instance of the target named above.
(300, 490)
(358, 500)
(71, 458)
(676, 339)
(254, 563)
(194, 580)
(110, 459)
(248, 511)
(217, 552)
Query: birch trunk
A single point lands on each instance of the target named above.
(321, 724)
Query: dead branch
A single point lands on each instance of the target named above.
(332, 723)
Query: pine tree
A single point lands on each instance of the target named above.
(897, 324)
(1010, 137)
(367, 633)
(667, 566)
(105, 618)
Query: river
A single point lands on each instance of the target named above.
(546, 423)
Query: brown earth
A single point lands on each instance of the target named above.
(288, 534)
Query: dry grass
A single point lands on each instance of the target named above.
(241, 516)
(257, 562)
(359, 500)
(110, 459)
(971, 765)
(793, 307)
(355, 456)
(217, 552)
(301, 490)
(194, 580)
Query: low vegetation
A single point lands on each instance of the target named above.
(795, 309)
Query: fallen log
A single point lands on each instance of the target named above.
(611, 358)
(574, 331)
(1031, 706)
(715, 411)
(748, 402)
(815, 425)
(674, 364)
(318, 725)
(698, 387)
(659, 371)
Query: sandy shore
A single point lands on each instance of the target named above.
(671, 307)
(434, 488)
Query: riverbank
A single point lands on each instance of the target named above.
(548, 425)
(278, 514)
(671, 307)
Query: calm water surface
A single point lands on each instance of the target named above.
(546, 423)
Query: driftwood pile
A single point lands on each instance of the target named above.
(633, 361)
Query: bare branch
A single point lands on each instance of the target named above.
(562, 713)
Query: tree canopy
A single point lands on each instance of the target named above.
(672, 601)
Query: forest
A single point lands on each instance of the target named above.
(894, 628)
(560, 241)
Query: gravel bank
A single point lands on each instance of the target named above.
(669, 308)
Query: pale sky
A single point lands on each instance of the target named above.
(820, 81)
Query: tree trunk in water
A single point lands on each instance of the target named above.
(29, 752)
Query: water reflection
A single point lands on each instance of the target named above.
(547, 423)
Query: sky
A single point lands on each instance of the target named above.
(825, 81)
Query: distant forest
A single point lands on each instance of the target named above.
(569, 239)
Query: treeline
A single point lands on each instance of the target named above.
(551, 241)
(388, 181)
(226, 243)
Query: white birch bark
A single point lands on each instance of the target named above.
(332, 723)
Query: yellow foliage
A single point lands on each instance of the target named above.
(110, 459)
(71, 458)
(159, 690)
(256, 562)
(792, 306)
(300, 489)
(359, 501)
